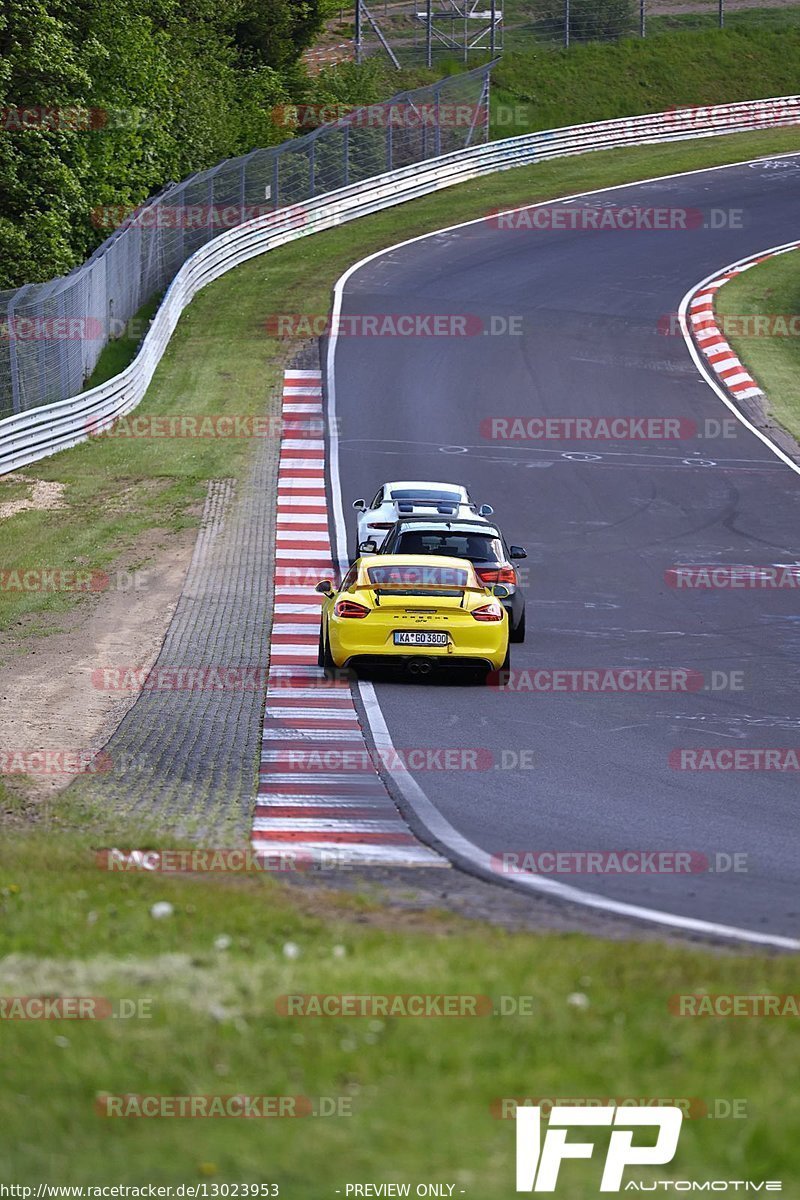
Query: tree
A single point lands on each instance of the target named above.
(274, 33)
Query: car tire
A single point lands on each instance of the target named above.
(321, 649)
(517, 632)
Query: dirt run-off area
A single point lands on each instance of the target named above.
(49, 698)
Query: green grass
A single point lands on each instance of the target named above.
(115, 356)
(771, 288)
(221, 360)
(420, 1089)
(744, 19)
(602, 80)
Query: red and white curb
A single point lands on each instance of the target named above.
(704, 328)
(319, 795)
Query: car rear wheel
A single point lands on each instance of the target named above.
(517, 632)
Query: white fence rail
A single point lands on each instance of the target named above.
(30, 436)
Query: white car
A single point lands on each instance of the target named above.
(412, 497)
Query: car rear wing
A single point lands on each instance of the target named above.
(445, 508)
(398, 591)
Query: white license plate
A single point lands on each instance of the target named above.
(414, 637)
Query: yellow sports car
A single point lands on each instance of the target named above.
(414, 612)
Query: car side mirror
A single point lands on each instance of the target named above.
(360, 505)
(518, 552)
(370, 546)
(500, 591)
(485, 510)
(325, 587)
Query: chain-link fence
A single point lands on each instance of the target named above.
(565, 22)
(462, 29)
(51, 334)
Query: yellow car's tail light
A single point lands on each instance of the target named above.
(488, 612)
(349, 608)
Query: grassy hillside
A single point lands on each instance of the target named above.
(602, 80)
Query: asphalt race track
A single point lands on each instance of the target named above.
(602, 521)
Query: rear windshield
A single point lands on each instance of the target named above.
(420, 494)
(477, 547)
(418, 577)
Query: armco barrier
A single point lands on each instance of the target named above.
(32, 435)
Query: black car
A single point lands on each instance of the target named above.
(479, 541)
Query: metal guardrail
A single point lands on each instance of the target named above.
(32, 435)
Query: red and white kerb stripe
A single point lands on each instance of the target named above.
(319, 794)
(721, 358)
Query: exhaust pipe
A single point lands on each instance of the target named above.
(419, 666)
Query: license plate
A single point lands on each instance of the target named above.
(418, 637)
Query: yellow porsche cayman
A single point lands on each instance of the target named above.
(416, 612)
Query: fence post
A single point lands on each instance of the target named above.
(437, 100)
(721, 14)
(311, 165)
(13, 364)
(566, 22)
(642, 18)
(479, 109)
(429, 34)
(62, 358)
(487, 93)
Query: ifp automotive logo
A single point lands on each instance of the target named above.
(539, 1160)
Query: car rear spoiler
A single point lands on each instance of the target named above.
(438, 589)
(444, 508)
